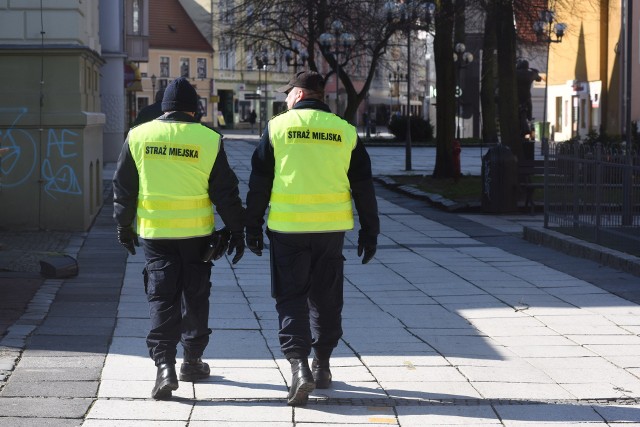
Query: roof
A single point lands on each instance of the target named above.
(525, 17)
(170, 27)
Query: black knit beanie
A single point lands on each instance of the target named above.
(180, 96)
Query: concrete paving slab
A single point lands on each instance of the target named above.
(346, 414)
(518, 415)
(522, 391)
(451, 415)
(19, 387)
(39, 422)
(431, 391)
(235, 390)
(241, 424)
(132, 423)
(44, 407)
(412, 373)
(241, 412)
(147, 410)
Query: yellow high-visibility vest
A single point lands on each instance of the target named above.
(174, 161)
(311, 191)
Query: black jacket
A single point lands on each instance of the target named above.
(263, 173)
(148, 113)
(223, 184)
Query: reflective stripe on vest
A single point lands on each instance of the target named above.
(174, 161)
(311, 191)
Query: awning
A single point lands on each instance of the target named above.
(132, 78)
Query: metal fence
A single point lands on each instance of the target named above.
(593, 193)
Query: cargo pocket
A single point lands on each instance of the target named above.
(160, 278)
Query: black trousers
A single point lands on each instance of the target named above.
(177, 284)
(307, 271)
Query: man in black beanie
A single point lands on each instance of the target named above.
(170, 172)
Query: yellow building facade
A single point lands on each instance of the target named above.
(586, 79)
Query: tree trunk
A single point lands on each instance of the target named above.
(488, 80)
(445, 90)
(508, 96)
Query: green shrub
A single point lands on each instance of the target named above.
(421, 130)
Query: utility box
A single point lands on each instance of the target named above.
(499, 180)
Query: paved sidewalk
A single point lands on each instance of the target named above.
(456, 321)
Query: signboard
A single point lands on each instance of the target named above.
(248, 96)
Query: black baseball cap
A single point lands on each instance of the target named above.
(305, 79)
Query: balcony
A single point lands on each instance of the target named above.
(137, 48)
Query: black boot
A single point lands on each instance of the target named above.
(321, 372)
(194, 369)
(166, 381)
(301, 383)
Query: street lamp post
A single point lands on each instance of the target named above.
(336, 43)
(544, 31)
(297, 53)
(409, 15)
(262, 60)
(395, 79)
(153, 86)
(463, 59)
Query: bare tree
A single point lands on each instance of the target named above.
(280, 23)
(445, 87)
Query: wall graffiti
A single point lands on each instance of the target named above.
(19, 157)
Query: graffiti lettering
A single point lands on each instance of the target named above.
(19, 157)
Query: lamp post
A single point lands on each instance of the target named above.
(262, 60)
(544, 31)
(153, 86)
(463, 59)
(395, 79)
(297, 53)
(406, 16)
(335, 43)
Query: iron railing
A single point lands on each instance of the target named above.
(593, 193)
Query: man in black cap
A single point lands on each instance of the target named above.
(308, 167)
(170, 172)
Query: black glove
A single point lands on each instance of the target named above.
(368, 245)
(128, 238)
(218, 244)
(236, 243)
(255, 241)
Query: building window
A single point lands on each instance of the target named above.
(202, 68)
(163, 83)
(184, 67)
(135, 15)
(164, 66)
(558, 114)
(226, 11)
(227, 54)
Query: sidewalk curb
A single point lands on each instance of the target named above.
(434, 199)
(540, 236)
(582, 249)
(13, 343)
